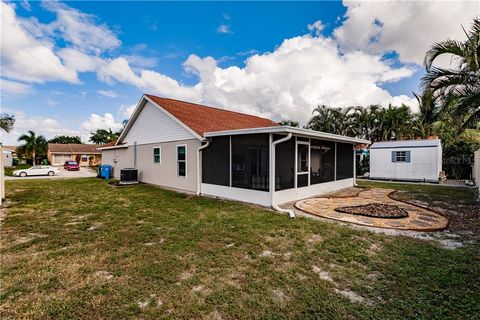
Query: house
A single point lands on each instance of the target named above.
(9, 153)
(409, 160)
(84, 154)
(215, 152)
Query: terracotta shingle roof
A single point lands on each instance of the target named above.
(72, 148)
(203, 119)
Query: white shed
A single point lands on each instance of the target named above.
(409, 160)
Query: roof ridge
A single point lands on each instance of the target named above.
(205, 106)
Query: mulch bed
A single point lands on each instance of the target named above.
(375, 210)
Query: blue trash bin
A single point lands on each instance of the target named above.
(105, 171)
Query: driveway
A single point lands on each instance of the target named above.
(64, 174)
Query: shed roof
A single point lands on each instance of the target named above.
(406, 144)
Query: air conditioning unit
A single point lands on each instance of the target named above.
(128, 176)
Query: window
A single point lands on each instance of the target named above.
(250, 162)
(216, 162)
(84, 157)
(322, 154)
(284, 164)
(302, 159)
(156, 155)
(400, 156)
(182, 161)
(344, 161)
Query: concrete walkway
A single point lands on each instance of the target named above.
(419, 218)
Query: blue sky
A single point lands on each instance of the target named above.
(276, 59)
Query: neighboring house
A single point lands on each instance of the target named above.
(84, 154)
(409, 160)
(215, 152)
(9, 153)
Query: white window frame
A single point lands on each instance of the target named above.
(178, 161)
(159, 155)
(400, 156)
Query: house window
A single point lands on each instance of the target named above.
(400, 156)
(84, 158)
(156, 155)
(182, 161)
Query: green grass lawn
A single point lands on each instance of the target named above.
(81, 249)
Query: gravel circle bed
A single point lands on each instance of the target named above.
(375, 210)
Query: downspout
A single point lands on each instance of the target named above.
(199, 175)
(290, 212)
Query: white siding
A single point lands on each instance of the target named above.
(7, 158)
(162, 174)
(153, 125)
(425, 163)
(476, 168)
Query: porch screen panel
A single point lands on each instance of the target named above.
(250, 162)
(344, 161)
(322, 165)
(216, 162)
(284, 164)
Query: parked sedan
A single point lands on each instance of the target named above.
(36, 171)
(71, 165)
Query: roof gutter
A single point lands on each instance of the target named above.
(199, 174)
(291, 213)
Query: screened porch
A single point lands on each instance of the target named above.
(240, 167)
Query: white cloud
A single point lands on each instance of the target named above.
(284, 84)
(127, 111)
(25, 58)
(79, 61)
(95, 122)
(46, 126)
(80, 29)
(407, 27)
(8, 87)
(108, 93)
(224, 28)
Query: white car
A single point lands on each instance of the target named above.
(36, 171)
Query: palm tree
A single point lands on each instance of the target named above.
(6, 122)
(332, 120)
(102, 136)
(33, 145)
(459, 86)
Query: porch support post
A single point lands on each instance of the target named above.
(354, 166)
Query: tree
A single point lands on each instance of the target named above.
(332, 120)
(33, 145)
(102, 136)
(65, 139)
(289, 123)
(6, 122)
(457, 88)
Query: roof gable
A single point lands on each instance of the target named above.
(201, 119)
